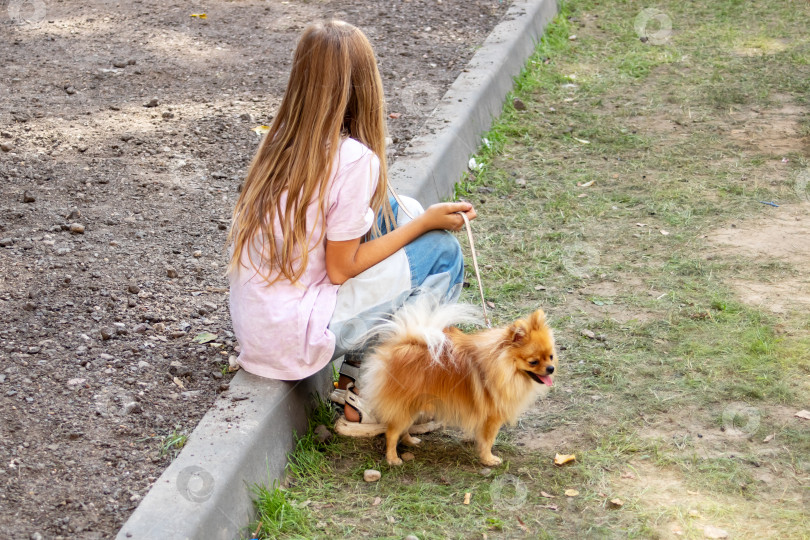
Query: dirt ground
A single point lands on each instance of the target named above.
(782, 238)
(126, 129)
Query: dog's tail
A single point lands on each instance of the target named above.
(423, 320)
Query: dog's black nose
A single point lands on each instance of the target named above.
(550, 369)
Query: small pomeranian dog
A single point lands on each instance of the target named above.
(477, 382)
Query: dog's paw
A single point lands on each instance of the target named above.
(491, 461)
(394, 461)
(410, 440)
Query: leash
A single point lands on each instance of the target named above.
(475, 265)
(472, 251)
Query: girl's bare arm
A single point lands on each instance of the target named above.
(346, 259)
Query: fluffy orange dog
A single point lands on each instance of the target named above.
(476, 382)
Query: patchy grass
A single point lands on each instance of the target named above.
(597, 204)
(171, 444)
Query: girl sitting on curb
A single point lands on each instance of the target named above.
(319, 252)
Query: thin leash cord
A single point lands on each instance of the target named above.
(472, 251)
(475, 265)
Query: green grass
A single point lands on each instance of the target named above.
(277, 517)
(670, 409)
(172, 443)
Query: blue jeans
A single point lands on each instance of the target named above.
(435, 265)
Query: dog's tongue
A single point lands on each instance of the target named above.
(545, 379)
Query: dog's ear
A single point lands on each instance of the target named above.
(538, 319)
(517, 332)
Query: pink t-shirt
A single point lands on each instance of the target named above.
(282, 328)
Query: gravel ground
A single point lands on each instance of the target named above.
(125, 131)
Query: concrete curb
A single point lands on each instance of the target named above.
(245, 438)
(242, 440)
(435, 160)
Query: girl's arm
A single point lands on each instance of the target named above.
(346, 259)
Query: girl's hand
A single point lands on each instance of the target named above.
(445, 216)
(346, 259)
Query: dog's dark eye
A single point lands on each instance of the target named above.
(533, 362)
(551, 357)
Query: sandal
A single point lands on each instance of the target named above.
(338, 395)
(368, 426)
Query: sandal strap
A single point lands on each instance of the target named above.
(353, 401)
(350, 371)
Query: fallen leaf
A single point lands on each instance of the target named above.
(546, 495)
(539, 288)
(491, 304)
(587, 184)
(665, 233)
(199, 15)
(689, 492)
(550, 507)
(522, 525)
(562, 459)
(178, 382)
(583, 141)
(628, 475)
(261, 130)
(377, 501)
(616, 503)
(676, 529)
(394, 115)
(571, 493)
(710, 531)
(641, 224)
(204, 337)
(769, 438)
(581, 195)
(803, 414)
(467, 497)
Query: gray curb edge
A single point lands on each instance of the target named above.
(435, 160)
(245, 437)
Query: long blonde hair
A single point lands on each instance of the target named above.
(334, 90)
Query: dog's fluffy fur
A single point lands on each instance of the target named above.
(476, 381)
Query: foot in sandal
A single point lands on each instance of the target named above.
(349, 373)
(368, 426)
